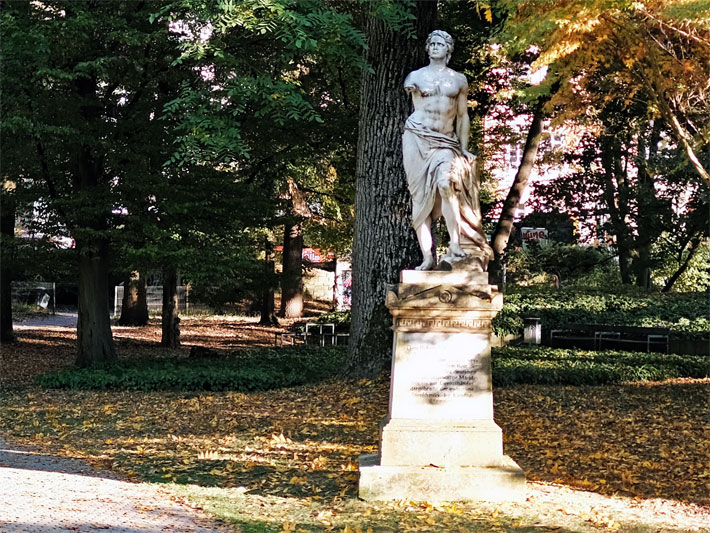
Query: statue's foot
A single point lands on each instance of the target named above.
(428, 264)
(455, 251)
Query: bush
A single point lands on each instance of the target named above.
(244, 371)
(685, 314)
(341, 319)
(570, 263)
(555, 366)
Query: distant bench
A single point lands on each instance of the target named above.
(320, 334)
(613, 336)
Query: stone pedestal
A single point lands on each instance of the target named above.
(439, 440)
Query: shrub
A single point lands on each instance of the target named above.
(244, 371)
(685, 314)
(341, 319)
(555, 366)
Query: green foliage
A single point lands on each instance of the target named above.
(341, 319)
(256, 57)
(685, 314)
(551, 366)
(695, 278)
(245, 371)
(567, 262)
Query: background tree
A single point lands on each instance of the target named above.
(634, 78)
(7, 238)
(384, 241)
(277, 115)
(76, 80)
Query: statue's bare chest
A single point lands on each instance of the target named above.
(446, 85)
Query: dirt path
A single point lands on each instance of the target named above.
(41, 493)
(61, 319)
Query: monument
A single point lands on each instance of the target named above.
(439, 441)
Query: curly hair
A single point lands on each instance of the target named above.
(447, 39)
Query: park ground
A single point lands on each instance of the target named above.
(630, 457)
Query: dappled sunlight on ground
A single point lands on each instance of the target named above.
(603, 457)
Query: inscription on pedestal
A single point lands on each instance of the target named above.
(441, 376)
(440, 323)
(460, 381)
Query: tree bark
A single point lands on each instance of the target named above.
(170, 319)
(134, 306)
(292, 278)
(504, 227)
(694, 245)
(7, 232)
(94, 337)
(613, 187)
(649, 225)
(384, 241)
(267, 303)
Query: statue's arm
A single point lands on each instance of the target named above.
(409, 84)
(463, 124)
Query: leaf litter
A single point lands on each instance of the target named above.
(618, 458)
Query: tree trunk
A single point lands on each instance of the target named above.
(91, 224)
(384, 241)
(94, 338)
(170, 319)
(694, 245)
(7, 235)
(648, 223)
(613, 187)
(267, 304)
(292, 278)
(134, 306)
(504, 227)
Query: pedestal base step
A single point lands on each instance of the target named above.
(505, 482)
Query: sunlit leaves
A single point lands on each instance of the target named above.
(605, 50)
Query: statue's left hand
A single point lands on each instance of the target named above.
(469, 156)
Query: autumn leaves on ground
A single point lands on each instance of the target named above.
(286, 460)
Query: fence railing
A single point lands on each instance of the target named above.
(40, 293)
(154, 297)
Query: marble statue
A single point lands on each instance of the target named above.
(440, 170)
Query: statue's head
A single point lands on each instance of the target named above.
(447, 39)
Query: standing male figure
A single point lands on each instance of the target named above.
(439, 167)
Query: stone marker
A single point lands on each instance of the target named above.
(439, 441)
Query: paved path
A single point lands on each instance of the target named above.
(42, 494)
(62, 319)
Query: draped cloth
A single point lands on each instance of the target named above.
(432, 161)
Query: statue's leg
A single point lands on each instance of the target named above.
(450, 210)
(425, 243)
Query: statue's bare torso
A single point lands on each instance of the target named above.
(436, 95)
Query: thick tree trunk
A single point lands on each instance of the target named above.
(94, 338)
(499, 241)
(292, 278)
(90, 225)
(170, 319)
(267, 301)
(384, 242)
(134, 306)
(7, 234)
